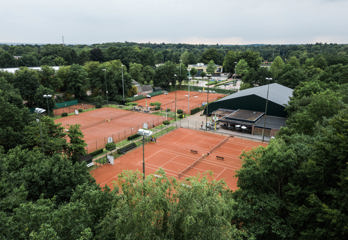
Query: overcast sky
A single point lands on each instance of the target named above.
(174, 21)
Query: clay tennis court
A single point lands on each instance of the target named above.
(97, 125)
(183, 153)
(72, 108)
(168, 101)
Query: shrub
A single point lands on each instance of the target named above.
(133, 137)
(126, 148)
(155, 104)
(181, 116)
(196, 110)
(95, 153)
(168, 110)
(110, 146)
(98, 106)
(157, 108)
(165, 122)
(64, 114)
(80, 110)
(180, 111)
(131, 104)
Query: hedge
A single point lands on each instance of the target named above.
(110, 146)
(133, 137)
(132, 99)
(97, 152)
(126, 148)
(196, 110)
(165, 122)
(64, 114)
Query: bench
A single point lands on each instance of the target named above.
(219, 158)
(90, 164)
(194, 151)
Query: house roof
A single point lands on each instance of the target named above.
(277, 93)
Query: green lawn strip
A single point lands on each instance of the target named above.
(69, 114)
(162, 130)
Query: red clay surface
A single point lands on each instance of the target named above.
(99, 124)
(172, 153)
(168, 101)
(71, 109)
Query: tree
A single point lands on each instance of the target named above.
(27, 81)
(14, 116)
(48, 78)
(149, 73)
(76, 81)
(76, 147)
(97, 77)
(96, 55)
(165, 75)
(230, 62)
(163, 208)
(193, 72)
(277, 67)
(136, 72)
(188, 58)
(242, 68)
(211, 67)
(40, 101)
(212, 54)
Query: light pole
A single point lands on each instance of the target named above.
(144, 132)
(106, 86)
(206, 116)
(175, 96)
(264, 120)
(188, 104)
(122, 85)
(47, 96)
(40, 111)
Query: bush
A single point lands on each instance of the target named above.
(133, 137)
(165, 122)
(155, 104)
(181, 116)
(179, 111)
(157, 108)
(64, 114)
(97, 152)
(131, 104)
(126, 148)
(80, 110)
(196, 110)
(168, 110)
(98, 106)
(110, 146)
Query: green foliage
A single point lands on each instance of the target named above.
(179, 111)
(162, 208)
(211, 67)
(126, 148)
(196, 110)
(277, 67)
(76, 147)
(166, 122)
(242, 68)
(110, 146)
(134, 136)
(64, 114)
(193, 72)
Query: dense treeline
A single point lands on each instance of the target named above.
(151, 54)
(296, 188)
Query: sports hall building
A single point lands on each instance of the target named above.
(245, 110)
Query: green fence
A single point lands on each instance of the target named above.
(196, 88)
(66, 104)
